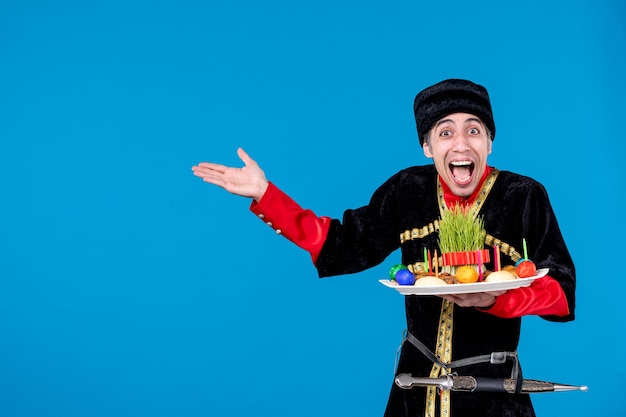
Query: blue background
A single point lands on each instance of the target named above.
(130, 287)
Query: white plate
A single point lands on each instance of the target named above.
(463, 288)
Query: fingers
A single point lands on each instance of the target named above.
(209, 166)
(209, 175)
(472, 299)
(243, 155)
(248, 181)
(205, 173)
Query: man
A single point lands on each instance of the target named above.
(456, 129)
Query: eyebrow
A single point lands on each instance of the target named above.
(442, 121)
(474, 119)
(468, 120)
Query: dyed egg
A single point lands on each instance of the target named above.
(405, 277)
(526, 269)
(394, 270)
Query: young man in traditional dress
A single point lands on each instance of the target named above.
(456, 129)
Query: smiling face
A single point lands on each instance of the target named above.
(459, 144)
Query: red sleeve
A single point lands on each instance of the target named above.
(286, 217)
(544, 297)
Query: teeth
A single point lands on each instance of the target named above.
(461, 163)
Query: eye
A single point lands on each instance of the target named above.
(473, 131)
(445, 132)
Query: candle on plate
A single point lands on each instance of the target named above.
(426, 260)
(496, 260)
(525, 249)
(480, 267)
(430, 265)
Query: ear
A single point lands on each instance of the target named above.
(489, 146)
(427, 152)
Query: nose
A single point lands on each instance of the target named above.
(461, 142)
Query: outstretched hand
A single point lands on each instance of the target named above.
(248, 181)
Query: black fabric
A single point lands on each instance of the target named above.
(494, 357)
(448, 97)
(517, 207)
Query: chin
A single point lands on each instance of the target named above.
(463, 191)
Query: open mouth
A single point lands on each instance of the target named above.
(462, 171)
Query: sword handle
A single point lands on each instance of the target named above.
(407, 381)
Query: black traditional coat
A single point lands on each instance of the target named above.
(404, 212)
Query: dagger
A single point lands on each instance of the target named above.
(471, 384)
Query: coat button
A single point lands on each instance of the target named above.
(269, 224)
(261, 216)
(278, 231)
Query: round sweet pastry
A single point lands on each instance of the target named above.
(430, 281)
(499, 276)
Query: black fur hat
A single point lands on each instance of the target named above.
(451, 96)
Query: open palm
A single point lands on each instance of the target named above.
(248, 181)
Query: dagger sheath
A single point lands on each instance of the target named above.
(473, 384)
